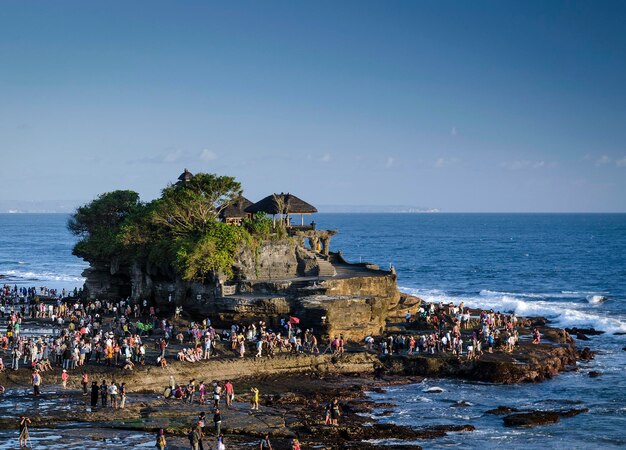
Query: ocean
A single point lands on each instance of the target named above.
(570, 268)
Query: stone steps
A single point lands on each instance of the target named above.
(325, 269)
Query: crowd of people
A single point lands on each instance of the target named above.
(452, 329)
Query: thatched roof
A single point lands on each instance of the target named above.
(185, 176)
(236, 208)
(292, 205)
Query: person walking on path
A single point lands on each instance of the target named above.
(24, 422)
(230, 393)
(217, 420)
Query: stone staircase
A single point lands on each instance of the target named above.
(325, 268)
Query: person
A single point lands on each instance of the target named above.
(217, 392)
(85, 381)
(536, 336)
(103, 393)
(217, 420)
(194, 438)
(220, 443)
(95, 390)
(334, 412)
(123, 395)
(24, 422)
(64, 377)
(255, 398)
(295, 444)
(160, 440)
(265, 443)
(230, 393)
(36, 382)
(113, 395)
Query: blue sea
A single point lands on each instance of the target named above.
(570, 268)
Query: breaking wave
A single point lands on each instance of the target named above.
(563, 313)
(42, 276)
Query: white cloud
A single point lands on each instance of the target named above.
(173, 156)
(208, 155)
(621, 162)
(522, 164)
(603, 160)
(389, 162)
(445, 162)
(325, 158)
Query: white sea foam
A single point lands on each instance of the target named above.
(43, 276)
(563, 313)
(595, 299)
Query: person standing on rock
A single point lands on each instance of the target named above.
(103, 393)
(220, 443)
(194, 438)
(255, 398)
(217, 420)
(84, 382)
(265, 443)
(95, 390)
(36, 379)
(64, 377)
(123, 395)
(160, 440)
(24, 422)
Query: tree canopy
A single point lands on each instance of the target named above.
(180, 231)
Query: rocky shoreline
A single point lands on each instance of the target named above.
(294, 390)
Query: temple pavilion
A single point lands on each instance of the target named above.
(282, 205)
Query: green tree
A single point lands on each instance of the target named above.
(98, 223)
(189, 209)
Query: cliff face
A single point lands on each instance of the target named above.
(276, 279)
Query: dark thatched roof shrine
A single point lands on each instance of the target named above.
(236, 209)
(185, 177)
(290, 205)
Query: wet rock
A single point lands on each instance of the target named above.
(500, 410)
(582, 337)
(535, 418)
(594, 374)
(586, 331)
(461, 404)
(586, 354)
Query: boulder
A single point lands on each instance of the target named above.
(501, 410)
(534, 418)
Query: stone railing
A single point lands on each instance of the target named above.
(229, 290)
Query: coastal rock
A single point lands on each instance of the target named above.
(501, 410)
(534, 418)
(582, 337)
(586, 354)
(594, 374)
(585, 331)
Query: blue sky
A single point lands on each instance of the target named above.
(462, 106)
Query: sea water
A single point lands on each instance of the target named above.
(570, 268)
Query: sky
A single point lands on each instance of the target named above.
(486, 106)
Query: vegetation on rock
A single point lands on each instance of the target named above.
(180, 231)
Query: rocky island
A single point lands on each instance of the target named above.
(203, 264)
